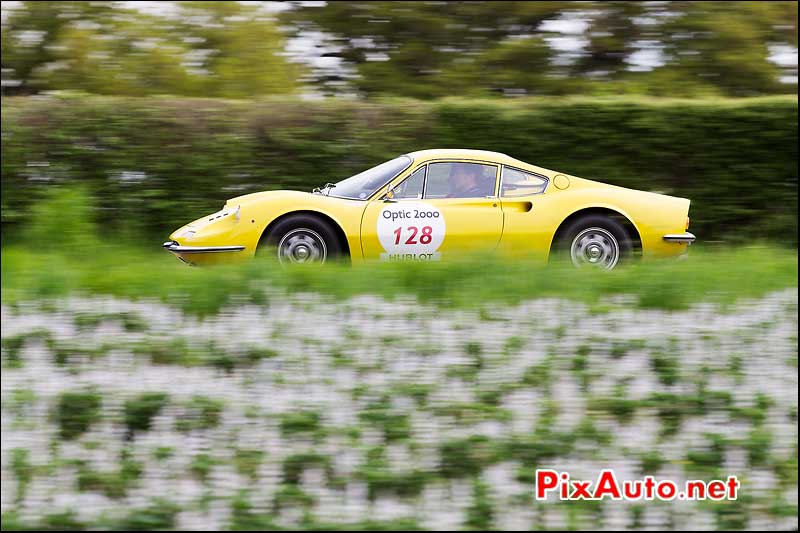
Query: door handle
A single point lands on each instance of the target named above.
(522, 207)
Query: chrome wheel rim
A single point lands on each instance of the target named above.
(596, 247)
(301, 246)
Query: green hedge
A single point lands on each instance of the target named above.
(153, 164)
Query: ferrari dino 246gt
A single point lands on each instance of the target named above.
(435, 204)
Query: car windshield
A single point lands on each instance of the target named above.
(363, 185)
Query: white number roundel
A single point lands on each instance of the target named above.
(410, 231)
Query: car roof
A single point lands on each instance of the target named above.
(480, 155)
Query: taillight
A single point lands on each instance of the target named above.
(687, 222)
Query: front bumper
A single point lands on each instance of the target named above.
(681, 238)
(176, 248)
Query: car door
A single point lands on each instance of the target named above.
(529, 218)
(443, 208)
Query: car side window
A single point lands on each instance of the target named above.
(518, 183)
(460, 180)
(411, 187)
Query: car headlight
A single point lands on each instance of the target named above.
(187, 234)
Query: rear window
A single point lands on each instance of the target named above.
(518, 183)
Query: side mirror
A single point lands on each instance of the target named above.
(389, 196)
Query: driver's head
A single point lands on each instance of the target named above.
(464, 176)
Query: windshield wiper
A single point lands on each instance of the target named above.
(326, 187)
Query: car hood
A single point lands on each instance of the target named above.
(266, 195)
(297, 196)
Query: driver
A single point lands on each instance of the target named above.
(467, 181)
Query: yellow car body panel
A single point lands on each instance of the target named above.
(255, 213)
(522, 226)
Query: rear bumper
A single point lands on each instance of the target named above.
(176, 248)
(682, 238)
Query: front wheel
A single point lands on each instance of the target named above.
(303, 239)
(596, 241)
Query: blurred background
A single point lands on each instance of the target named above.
(141, 394)
(163, 110)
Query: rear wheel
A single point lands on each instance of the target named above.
(302, 239)
(596, 241)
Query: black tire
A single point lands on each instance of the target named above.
(301, 239)
(595, 240)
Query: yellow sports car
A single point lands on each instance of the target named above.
(435, 204)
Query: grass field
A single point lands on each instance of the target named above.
(364, 413)
(709, 275)
(139, 393)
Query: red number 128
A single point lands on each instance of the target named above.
(425, 237)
